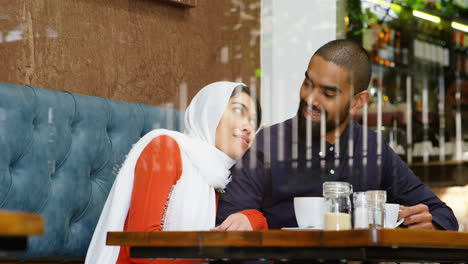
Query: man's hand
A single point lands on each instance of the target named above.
(235, 222)
(417, 217)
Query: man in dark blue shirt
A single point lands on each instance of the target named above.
(323, 143)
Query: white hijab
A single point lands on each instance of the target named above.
(192, 201)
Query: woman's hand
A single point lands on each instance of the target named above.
(234, 222)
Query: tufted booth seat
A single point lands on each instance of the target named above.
(59, 155)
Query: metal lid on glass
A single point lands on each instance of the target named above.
(335, 187)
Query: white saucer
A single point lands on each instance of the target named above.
(300, 228)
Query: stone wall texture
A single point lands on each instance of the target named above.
(147, 51)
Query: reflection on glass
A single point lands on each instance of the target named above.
(425, 120)
(351, 128)
(266, 134)
(364, 138)
(336, 150)
(351, 146)
(308, 143)
(50, 32)
(294, 143)
(409, 126)
(253, 158)
(170, 116)
(280, 142)
(18, 33)
(458, 123)
(336, 147)
(379, 123)
(183, 100)
(323, 131)
(266, 144)
(441, 112)
(51, 138)
(15, 34)
(224, 55)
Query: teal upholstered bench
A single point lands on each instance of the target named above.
(59, 155)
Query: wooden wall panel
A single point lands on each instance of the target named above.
(133, 50)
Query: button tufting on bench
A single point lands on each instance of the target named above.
(60, 155)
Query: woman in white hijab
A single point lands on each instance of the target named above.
(168, 180)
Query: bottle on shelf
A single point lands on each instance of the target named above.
(446, 54)
(397, 49)
(382, 47)
(458, 41)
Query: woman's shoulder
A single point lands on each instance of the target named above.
(164, 143)
(163, 150)
(164, 139)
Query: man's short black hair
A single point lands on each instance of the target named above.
(350, 55)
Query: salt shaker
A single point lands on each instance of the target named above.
(360, 211)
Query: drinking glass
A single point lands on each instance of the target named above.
(376, 208)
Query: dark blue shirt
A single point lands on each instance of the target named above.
(277, 169)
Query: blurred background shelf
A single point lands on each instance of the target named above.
(419, 87)
(441, 173)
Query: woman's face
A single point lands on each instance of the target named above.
(236, 130)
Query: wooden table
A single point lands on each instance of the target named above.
(15, 227)
(353, 245)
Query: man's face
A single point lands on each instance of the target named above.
(326, 86)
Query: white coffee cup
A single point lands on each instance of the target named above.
(391, 215)
(310, 212)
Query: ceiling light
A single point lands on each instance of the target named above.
(459, 26)
(426, 16)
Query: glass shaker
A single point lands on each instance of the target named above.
(376, 208)
(360, 210)
(337, 205)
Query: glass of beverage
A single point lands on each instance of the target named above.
(337, 205)
(376, 208)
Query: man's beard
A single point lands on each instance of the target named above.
(330, 125)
